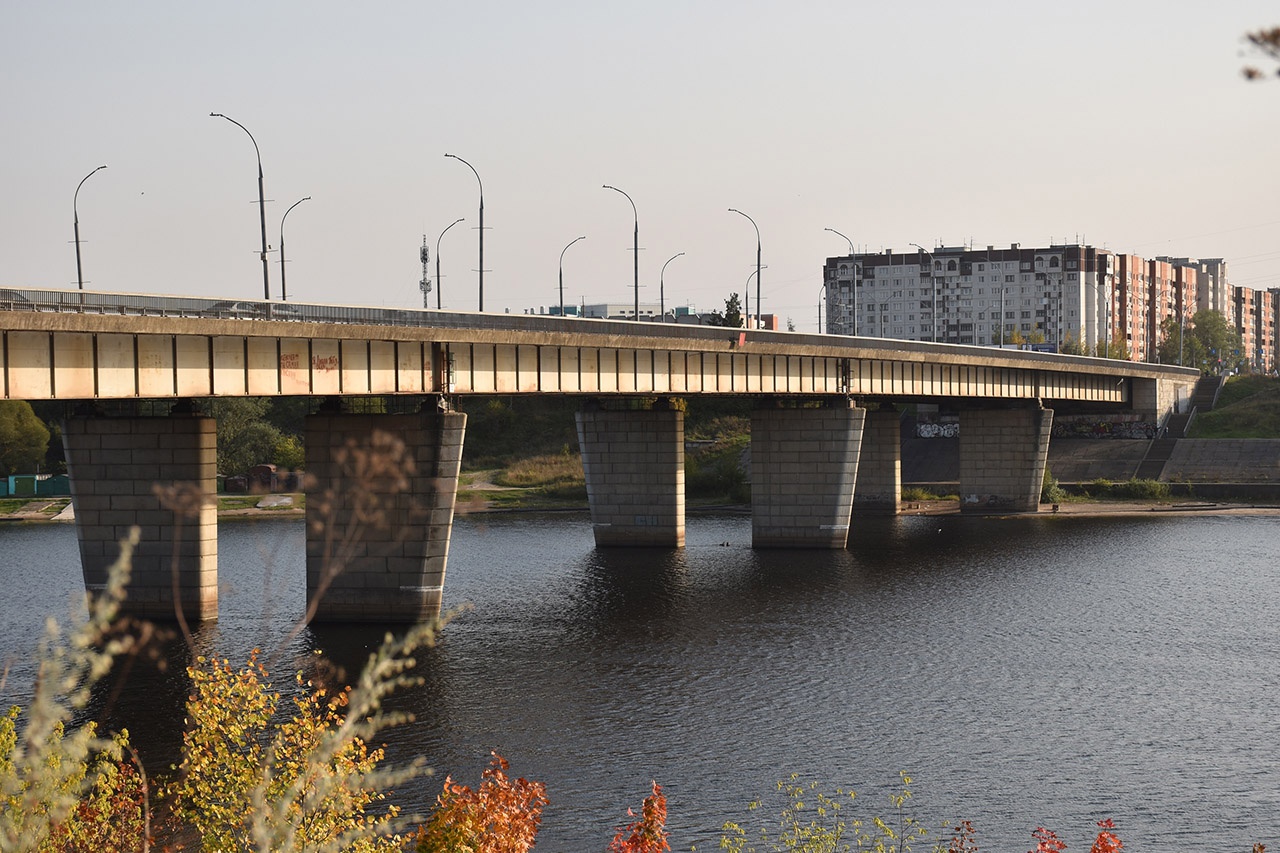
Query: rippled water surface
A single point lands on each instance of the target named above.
(1036, 671)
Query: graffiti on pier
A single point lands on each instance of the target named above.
(1114, 426)
(945, 427)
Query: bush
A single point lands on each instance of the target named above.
(1128, 490)
(1050, 491)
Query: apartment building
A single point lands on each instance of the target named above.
(985, 296)
(1065, 295)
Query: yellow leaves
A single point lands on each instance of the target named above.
(247, 774)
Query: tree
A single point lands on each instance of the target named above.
(24, 439)
(1206, 341)
(501, 815)
(1266, 42)
(251, 780)
(245, 438)
(732, 316)
(646, 833)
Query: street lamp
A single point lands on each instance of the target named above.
(933, 282)
(284, 293)
(262, 206)
(635, 247)
(747, 289)
(75, 210)
(662, 302)
(438, 239)
(759, 313)
(854, 290)
(562, 251)
(481, 183)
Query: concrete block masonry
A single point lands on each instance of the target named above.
(1002, 458)
(802, 490)
(115, 467)
(634, 467)
(385, 487)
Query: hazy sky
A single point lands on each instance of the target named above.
(1124, 124)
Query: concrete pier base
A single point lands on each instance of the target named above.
(879, 487)
(158, 474)
(1002, 458)
(380, 514)
(634, 466)
(804, 463)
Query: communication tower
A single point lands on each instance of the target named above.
(425, 284)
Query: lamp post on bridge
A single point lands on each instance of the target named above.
(759, 312)
(481, 269)
(853, 291)
(75, 210)
(562, 251)
(635, 246)
(284, 293)
(262, 206)
(933, 282)
(438, 239)
(662, 300)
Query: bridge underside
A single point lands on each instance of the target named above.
(382, 491)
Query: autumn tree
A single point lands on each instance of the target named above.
(256, 778)
(646, 833)
(501, 815)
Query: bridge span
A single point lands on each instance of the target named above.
(824, 433)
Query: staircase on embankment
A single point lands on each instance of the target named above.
(1203, 399)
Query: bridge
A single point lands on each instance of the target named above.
(824, 431)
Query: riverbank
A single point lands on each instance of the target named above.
(294, 505)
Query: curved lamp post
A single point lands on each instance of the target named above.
(759, 313)
(284, 293)
(635, 247)
(854, 290)
(562, 251)
(75, 210)
(662, 298)
(934, 283)
(262, 205)
(438, 239)
(481, 183)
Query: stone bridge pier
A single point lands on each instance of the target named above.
(634, 466)
(380, 503)
(1002, 457)
(157, 474)
(804, 464)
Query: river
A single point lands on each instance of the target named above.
(1052, 670)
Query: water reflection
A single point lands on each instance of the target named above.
(1049, 670)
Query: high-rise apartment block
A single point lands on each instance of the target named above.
(1068, 296)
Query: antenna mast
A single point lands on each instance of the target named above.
(425, 284)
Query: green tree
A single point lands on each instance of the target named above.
(245, 438)
(24, 439)
(1206, 341)
(732, 316)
